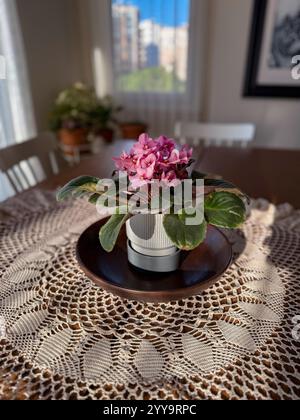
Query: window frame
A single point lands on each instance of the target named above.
(100, 40)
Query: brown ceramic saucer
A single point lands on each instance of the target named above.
(199, 270)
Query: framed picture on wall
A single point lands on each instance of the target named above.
(273, 66)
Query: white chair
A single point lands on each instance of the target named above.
(215, 134)
(28, 163)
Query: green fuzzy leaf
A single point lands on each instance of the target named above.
(78, 187)
(216, 184)
(222, 185)
(110, 231)
(224, 209)
(94, 198)
(185, 237)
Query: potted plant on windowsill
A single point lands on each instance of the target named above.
(71, 115)
(158, 232)
(104, 118)
(132, 129)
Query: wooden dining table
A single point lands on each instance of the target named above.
(63, 337)
(272, 174)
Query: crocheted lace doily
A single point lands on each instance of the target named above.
(63, 337)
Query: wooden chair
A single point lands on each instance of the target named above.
(215, 134)
(28, 163)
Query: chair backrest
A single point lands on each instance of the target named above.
(25, 164)
(215, 134)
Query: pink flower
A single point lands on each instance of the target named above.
(145, 167)
(173, 159)
(126, 162)
(137, 181)
(158, 159)
(144, 146)
(165, 147)
(185, 154)
(170, 179)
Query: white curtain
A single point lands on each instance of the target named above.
(174, 46)
(16, 111)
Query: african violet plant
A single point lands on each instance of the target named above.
(159, 159)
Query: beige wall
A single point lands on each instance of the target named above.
(51, 35)
(277, 120)
(56, 58)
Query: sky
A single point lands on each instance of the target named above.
(163, 12)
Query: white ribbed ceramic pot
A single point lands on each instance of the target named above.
(148, 237)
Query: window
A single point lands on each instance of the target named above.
(16, 114)
(149, 54)
(151, 42)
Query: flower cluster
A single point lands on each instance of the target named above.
(155, 159)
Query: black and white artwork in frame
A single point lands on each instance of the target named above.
(273, 67)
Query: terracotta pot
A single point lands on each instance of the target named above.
(107, 134)
(76, 137)
(72, 139)
(132, 131)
